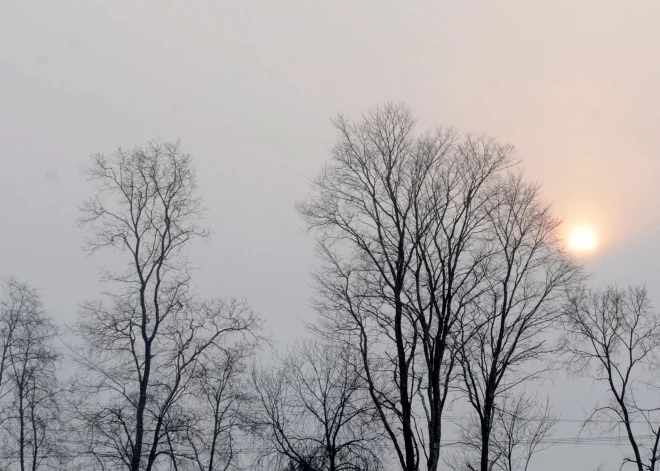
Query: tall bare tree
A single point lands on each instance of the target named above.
(30, 409)
(613, 337)
(313, 413)
(17, 301)
(144, 347)
(506, 338)
(399, 219)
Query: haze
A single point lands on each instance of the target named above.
(249, 89)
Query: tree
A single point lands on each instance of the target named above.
(143, 349)
(30, 407)
(313, 413)
(399, 219)
(522, 428)
(17, 300)
(506, 334)
(612, 336)
(206, 431)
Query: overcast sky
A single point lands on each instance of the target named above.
(249, 88)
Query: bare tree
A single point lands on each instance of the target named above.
(314, 413)
(399, 220)
(143, 349)
(522, 428)
(30, 409)
(207, 432)
(16, 302)
(506, 337)
(612, 336)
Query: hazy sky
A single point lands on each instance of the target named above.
(249, 87)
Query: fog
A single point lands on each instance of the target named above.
(249, 89)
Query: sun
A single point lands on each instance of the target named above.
(583, 240)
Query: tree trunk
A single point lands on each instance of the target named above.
(33, 420)
(142, 402)
(21, 439)
(406, 410)
(215, 436)
(486, 426)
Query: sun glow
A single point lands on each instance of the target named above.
(583, 240)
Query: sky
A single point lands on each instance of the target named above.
(249, 89)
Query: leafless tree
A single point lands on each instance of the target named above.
(313, 413)
(613, 336)
(506, 337)
(143, 349)
(30, 414)
(522, 428)
(207, 432)
(399, 220)
(16, 301)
